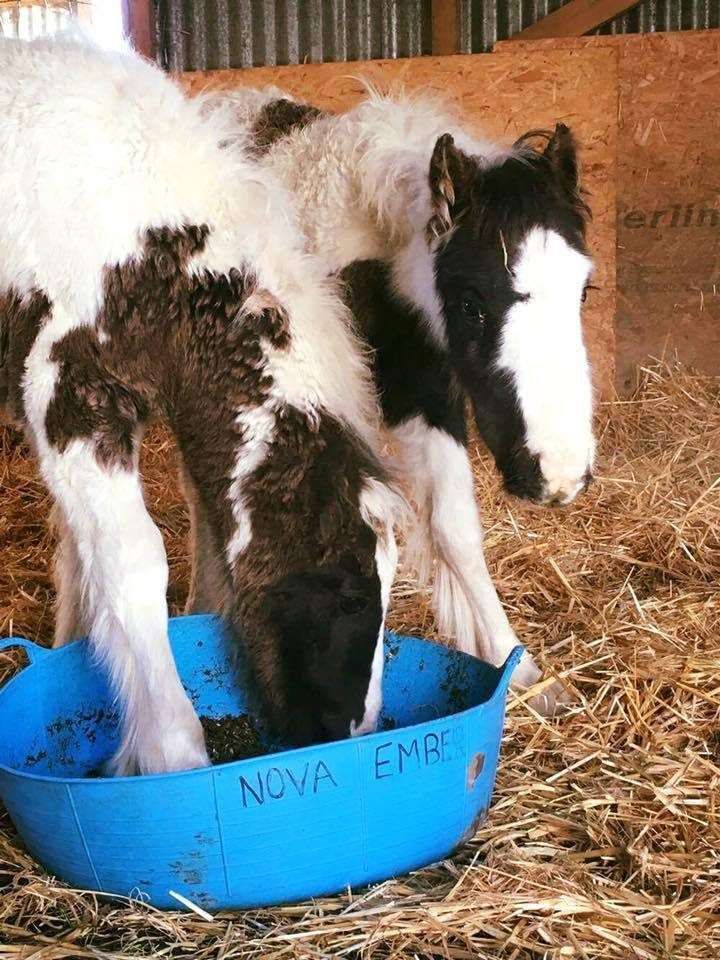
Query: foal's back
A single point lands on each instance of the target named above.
(113, 148)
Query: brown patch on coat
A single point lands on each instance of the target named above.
(92, 402)
(21, 317)
(304, 495)
(277, 120)
(268, 317)
(161, 329)
(191, 347)
(210, 589)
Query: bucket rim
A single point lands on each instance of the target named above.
(498, 695)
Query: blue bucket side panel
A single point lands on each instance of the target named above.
(483, 737)
(59, 714)
(23, 737)
(424, 681)
(291, 824)
(147, 836)
(82, 738)
(45, 818)
(208, 664)
(413, 795)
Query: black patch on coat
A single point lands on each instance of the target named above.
(326, 668)
(412, 374)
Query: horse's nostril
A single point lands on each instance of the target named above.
(587, 479)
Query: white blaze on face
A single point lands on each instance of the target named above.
(542, 348)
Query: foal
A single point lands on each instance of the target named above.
(144, 271)
(465, 266)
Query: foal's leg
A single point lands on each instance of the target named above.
(122, 560)
(466, 603)
(124, 573)
(209, 584)
(424, 407)
(70, 619)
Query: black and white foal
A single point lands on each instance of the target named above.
(144, 270)
(465, 266)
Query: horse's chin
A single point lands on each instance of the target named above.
(528, 503)
(545, 500)
(523, 491)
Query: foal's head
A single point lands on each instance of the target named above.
(511, 270)
(328, 621)
(314, 584)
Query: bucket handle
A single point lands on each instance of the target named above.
(34, 651)
(508, 668)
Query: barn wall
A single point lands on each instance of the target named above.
(212, 34)
(668, 197)
(483, 23)
(656, 16)
(503, 95)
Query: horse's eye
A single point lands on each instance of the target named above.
(353, 602)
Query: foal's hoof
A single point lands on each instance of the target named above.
(129, 765)
(526, 673)
(551, 701)
(177, 747)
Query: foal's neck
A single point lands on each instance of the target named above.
(351, 204)
(363, 199)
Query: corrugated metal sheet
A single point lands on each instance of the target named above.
(482, 22)
(654, 15)
(211, 34)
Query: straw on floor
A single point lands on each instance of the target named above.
(604, 838)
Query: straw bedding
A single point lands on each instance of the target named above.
(603, 841)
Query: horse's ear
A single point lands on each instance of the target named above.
(451, 175)
(561, 151)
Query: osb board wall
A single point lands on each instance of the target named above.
(668, 192)
(501, 96)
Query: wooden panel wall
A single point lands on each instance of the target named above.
(668, 192)
(501, 95)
